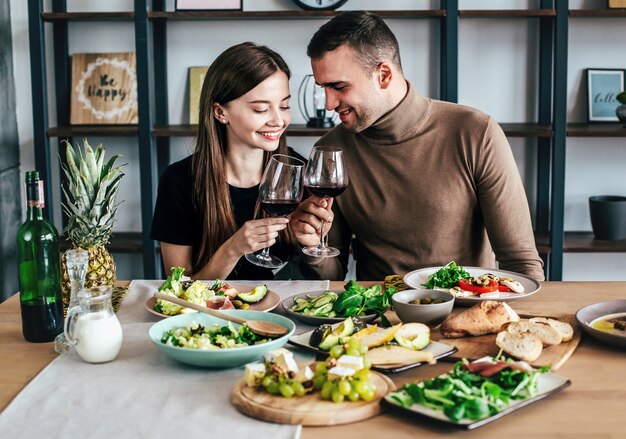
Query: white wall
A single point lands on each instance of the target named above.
(497, 74)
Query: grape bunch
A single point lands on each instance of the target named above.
(285, 386)
(354, 387)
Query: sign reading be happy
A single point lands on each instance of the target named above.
(104, 88)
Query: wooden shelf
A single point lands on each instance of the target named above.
(121, 242)
(94, 130)
(581, 242)
(277, 15)
(88, 16)
(504, 13)
(597, 13)
(596, 130)
(301, 130)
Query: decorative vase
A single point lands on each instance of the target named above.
(621, 114)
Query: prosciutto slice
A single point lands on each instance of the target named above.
(487, 368)
(219, 302)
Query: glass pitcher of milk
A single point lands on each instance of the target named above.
(93, 327)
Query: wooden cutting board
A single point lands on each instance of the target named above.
(308, 410)
(473, 348)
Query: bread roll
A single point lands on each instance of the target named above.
(565, 329)
(487, 317)
(546, 333)
(523, 346)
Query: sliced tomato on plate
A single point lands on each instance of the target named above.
(466, 285)
(503, 288)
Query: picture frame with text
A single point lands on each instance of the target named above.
(603, 85)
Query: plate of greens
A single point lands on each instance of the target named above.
(469, 400)
(333, 306)
(450, 276)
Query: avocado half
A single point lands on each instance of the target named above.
(254, 295)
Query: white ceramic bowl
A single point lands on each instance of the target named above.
(430, 314)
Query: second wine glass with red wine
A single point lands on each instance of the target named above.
(325, 176)
(280, 191)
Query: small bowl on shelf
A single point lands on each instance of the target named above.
(430, 307)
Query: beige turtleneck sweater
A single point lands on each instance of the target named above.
(430, 182)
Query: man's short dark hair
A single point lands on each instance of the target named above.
(365, 33)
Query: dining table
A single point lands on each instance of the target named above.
(593, 406)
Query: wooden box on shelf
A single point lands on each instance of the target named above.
(104, 89)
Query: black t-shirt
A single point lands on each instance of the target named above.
(176, 221)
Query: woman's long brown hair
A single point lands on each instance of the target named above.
(235, 72)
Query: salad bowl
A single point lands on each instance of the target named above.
(220, 357)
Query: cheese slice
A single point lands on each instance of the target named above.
(283, 359)
(305, 374)
(351, 361)
(338, 372)
(254, 373)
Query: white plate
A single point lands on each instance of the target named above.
(547, 384)
(416, 278)
(439, 350)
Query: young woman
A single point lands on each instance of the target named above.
(205, 210)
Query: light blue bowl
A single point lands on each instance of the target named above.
(221, 358)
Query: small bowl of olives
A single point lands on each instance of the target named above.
(430, 307)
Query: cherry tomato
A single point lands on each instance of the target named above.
(464, 285)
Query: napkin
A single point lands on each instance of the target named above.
(143, 393)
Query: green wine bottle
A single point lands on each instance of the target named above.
(39, 269)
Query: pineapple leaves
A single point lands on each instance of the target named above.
(89, 194)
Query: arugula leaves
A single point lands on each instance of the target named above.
(447, 277)
(357, 300)
(461, 394)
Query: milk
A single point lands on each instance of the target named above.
(98, 336)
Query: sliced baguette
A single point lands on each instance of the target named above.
(546, 333)
(565, 329)
(523, 346)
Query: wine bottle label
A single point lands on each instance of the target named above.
(34, 194)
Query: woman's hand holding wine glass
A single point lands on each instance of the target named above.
(325, 176)
(280, 191)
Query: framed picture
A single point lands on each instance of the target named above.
(196, 78)
(603, 85)
(619, 4)
(104, 89)
(208, 5)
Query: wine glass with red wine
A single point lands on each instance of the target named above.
(280, 191)
(326, 176)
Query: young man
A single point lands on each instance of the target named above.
(430, 181)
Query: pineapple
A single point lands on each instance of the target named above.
(90, 206)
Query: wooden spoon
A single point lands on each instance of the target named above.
(259, 327)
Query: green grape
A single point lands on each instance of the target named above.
(344, 387)
(286, 390)
(337, 396)
(361, 387)
(353, 351)
(327, 390)
(336, 351)
(366, 363)
(298, 388)
(274, 388)
(318, 381)
(363, 374)
(354, 343)
(363, 349)
(268, 380)
(321, 368)
(368, 395)
(353, 396)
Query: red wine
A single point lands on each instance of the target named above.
(41, 321)
(326, 191)
(279, 207)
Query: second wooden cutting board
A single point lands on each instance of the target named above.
(473, 348)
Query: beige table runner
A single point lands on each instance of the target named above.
(143, 393)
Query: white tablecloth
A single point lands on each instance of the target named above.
(143, 393)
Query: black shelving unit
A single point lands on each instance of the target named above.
(153, 131)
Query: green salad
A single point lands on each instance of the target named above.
(356, 300)
(196, 336)
(446, 277)
(461, 394)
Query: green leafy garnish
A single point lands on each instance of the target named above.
(447, 277)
